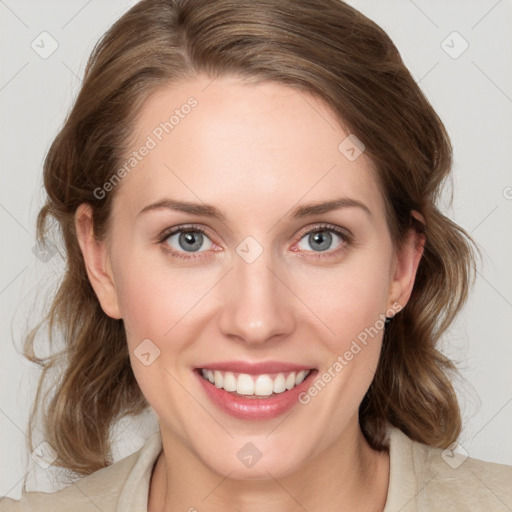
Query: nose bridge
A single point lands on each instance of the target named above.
(256, 305)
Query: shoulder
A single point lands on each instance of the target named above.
(102, 490)
(428, 479)
(101, 487)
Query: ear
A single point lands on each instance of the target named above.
(407, 262)
(97, 263)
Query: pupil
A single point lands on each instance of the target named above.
(191, 241)
(322, 238)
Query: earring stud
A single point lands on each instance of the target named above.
(397, 307)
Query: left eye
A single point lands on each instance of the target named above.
(189, 241)
(320, 240)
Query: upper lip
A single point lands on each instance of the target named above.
(255, 367)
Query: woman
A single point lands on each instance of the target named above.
(246, 192)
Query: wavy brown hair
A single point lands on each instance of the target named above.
(321, 47)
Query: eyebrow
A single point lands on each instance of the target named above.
(207, 210)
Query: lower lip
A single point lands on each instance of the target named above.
(254, 408)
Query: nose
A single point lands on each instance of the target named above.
(257, 306)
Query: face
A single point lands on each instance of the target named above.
(218, 257)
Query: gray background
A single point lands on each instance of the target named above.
(472, 93)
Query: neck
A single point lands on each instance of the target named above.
(349, 475)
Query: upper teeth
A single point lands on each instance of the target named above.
(262, 385)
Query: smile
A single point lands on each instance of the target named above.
(254, 390)
(263, 385)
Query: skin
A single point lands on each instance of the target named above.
(255, 152)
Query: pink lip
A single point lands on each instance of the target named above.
(255, 368)
(244, 408)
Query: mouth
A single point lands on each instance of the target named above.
(252, 394)
(265, 385)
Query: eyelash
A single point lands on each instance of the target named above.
(346, 238)
(185, 229)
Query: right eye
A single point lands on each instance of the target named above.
(181, 240)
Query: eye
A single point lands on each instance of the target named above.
(190, 242)
(182, 240)
(324, 238)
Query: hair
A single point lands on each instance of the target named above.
(321, 47)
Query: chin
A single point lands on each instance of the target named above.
(255, 458)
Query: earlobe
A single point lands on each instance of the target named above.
(96, 262)
(408, 260)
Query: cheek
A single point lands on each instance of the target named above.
(348, 301)
(159, 305)
(147, 298)
(145, 305)
(156, 301)
(351, 308)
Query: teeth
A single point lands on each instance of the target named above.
(279, 384)
(300, 377)
(245, 385)
(229, 382)
(290, 381)
(219, 379)
(261, 385)
(264, 385)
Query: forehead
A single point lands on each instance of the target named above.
(253, 147)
